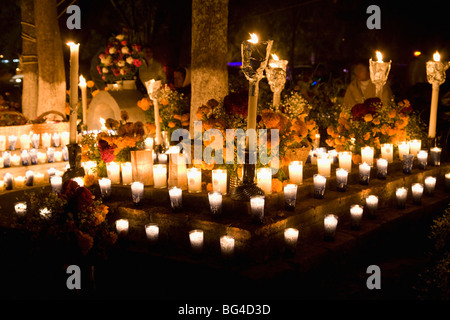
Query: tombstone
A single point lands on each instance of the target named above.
(109, 104)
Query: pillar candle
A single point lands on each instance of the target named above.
(148, 143)
(447, 182)
(25, 142)
(196, 239)
(160, 176)
(12, 141)
(430, 184)
(324, 165)
(371, 206)
(29, 176)
(113, 172)
(341, 179)
(403, 148)
(176, 198)
(417, 192)
(382, 166)
(126, 172)
(401, 194)
(56, 183)
(422, 159)
(15, 160)
(8, 178)
(122, 226)
(19, 182)
(414, 146)
(38, 178)
(364, 173)
(105, 187)
(194, 176)
(65, 138)
(215, 203)
(2, 143)
(82, 84)
(137, 192)
(35, 140)
(56, 139)
(46, 140)
(367, 154)
(319, 186)
(219, 181)
(2, 185)
(296, 172)
(74, 67)
(264, 179)
(257, 208)
(291, 238)
(152, 232)
(227, 245)
(345, 160)
(435, 156)
(330, 225)
(290, 196)
(356, 213)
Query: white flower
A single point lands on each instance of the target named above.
(106, 61)
(105, 70)
(121, 63)
(120, 37)
(125, 50)
(130, 60)
(123, 71)
(112, 50)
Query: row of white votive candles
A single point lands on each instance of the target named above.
(32, 157)
(34, 140)
(31, 178)
(196, 237)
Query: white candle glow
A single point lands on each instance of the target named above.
(15, 160)
(257, 207)
(38, 178)
(152, 232)
(319, 186)
(79, 181)
(215, 202)
(25, 142)
(56, 182)
(330, 225)
(20, 208)
(82, 85)
(137, 191)
(290, 196)
(296, 172)
(414, 146)
(194, 176)
(219, 181)
(401, 194)
(367, 154)
(382, 165)
(387, 152)
(345, 160)
(364, 173)
(176, 200)
(12, 141)
(422, 159)
(122, 226)
(403, 148)
(41, 157)
(8, 179)
(74, 52)
(148, 143)
(227, 245)
(372, 206)
(356, 213)
(19, 182)
(324, 165)
(113, 172)
(291, 238)
(196, 239)
(430, 184)
(160, 176)
(58, 156)
(126, 172)
(105, 187)
(44, 213)
(417, 192)
(341, 179)
(264, 179)
(435, 156)
(46, 140)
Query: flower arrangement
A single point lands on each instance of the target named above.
(372, 123)
(73, 219)
(120, 60)
(173, 110)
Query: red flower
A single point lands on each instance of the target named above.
(137, 62)
(116, 72)
(236, 103)
(68, 188)
(99, 70)
(124, 42)
(106, 151)
(82, 198)
(361, 109)
(136, 48)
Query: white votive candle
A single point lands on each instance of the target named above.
(38, 178)
(227, 245)
(122, 226)
(105, 187)
(290, 196)
(264, 179)
(401, 194)
(46, 140)
(324, 165)
(414, 146)
(25, 142)
(345, 160)
(341, 179)
(403, 148)
(41, 157)
(12, 141)
(127, 173)
(215, 202)
(152, 232)
(257, 208)
(422, 159)
(417, 192)
(296, 172)
(435, 156)
(19, 182)
(291, 238)
(160, 176)
(356, 213)
(20, 208)
(137, 191)
(364, 173)
(430, 184)
(148, 143)
(372, 206)
(367, 154)
(56, 182)
(196, 239)
(176, 198)
(15, 160)
(330, 225)
(194, 176)
(219, 181)
(382, 165)
(387, 152)
(113, 171)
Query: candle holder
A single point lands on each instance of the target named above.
(227, 244)
(215, 203)
(25, 156)
(12, 141)
(152, 232)
(196, 239)
(371, 206)
(56, 183)
(176, 198)
(382, 165)
(291, 239)
(255, 55)
(379, 72)
(75, 169)
(403, 148)
(367, 154)
(330, 225)
(422, 159)
(341, 179)
(290, 196)
(296, 172)
(345, 160)
(137, 192)
(401, 195)
(430, 185)
(417, 192)
(219, 181)
(435, 156)
(122, 227)
(29, 177)
(356, 213)
(415, 146)
(387, 152)
(6, 159)
(105, 187)
(408, 160)
(276, 76)
(257, 208)
(8, 179)
(364, 173)
(264, 179)
(320, 183)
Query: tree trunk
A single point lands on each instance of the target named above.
(29, 62)
(209, 74)
(52, 82)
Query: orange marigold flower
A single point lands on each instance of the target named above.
(368, 117)
(366, 136)
(171, 124)
(356, 158)
(90, 84)
(392, 114)
(277, 185)
(164, 102)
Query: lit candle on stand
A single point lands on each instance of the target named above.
(296, 172)
(422, 158)
(74, 52)
(176, 198)
(379, 72)
(435, 76)
(82, 85)
(264, 179)
(417, 192)
(330, 225)
(430, 184)
(401, 194)
(319, 186)
(215, 203)
(137, 192)
(276, 77)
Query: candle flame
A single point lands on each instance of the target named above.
(379, 56)
(72, 44)
(275, 57)
(82, 81)
(254, 38)
(102, 122)
(437, 56)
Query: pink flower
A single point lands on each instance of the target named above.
(137, 62)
